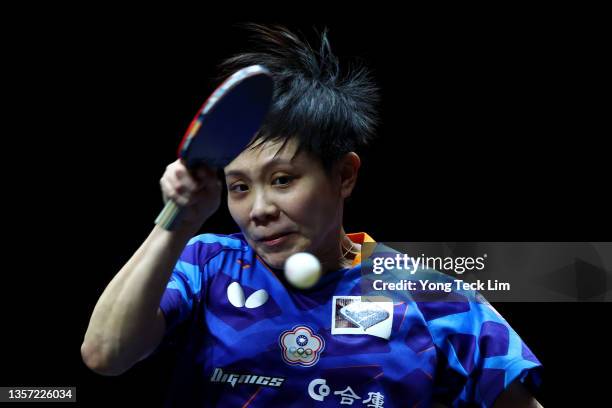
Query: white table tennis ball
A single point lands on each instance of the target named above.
(302, 270)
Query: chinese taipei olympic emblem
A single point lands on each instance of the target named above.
(300, 346)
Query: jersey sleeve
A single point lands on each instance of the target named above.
(187, 284)
(479, 354)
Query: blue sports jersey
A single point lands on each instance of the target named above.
(248, 339)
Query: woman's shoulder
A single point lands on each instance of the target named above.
(203, 248)
(231, 241)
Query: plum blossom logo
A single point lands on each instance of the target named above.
(300, 346)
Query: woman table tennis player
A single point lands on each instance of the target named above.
(243, 335)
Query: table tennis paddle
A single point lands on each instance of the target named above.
(223, 126)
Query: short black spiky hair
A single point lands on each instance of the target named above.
(331, 112)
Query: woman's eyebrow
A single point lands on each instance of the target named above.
(274, 162)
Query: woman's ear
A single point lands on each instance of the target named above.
(348, 168)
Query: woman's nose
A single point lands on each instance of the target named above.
(263, 208)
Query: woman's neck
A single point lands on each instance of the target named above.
(341, 253)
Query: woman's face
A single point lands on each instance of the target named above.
(285, 204)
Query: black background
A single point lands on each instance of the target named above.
(490, 131)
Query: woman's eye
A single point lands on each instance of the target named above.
(282, 180)
(239, 188)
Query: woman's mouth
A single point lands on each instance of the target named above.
(276, 240)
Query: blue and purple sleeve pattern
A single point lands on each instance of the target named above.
(479, 354)
(187, 283)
